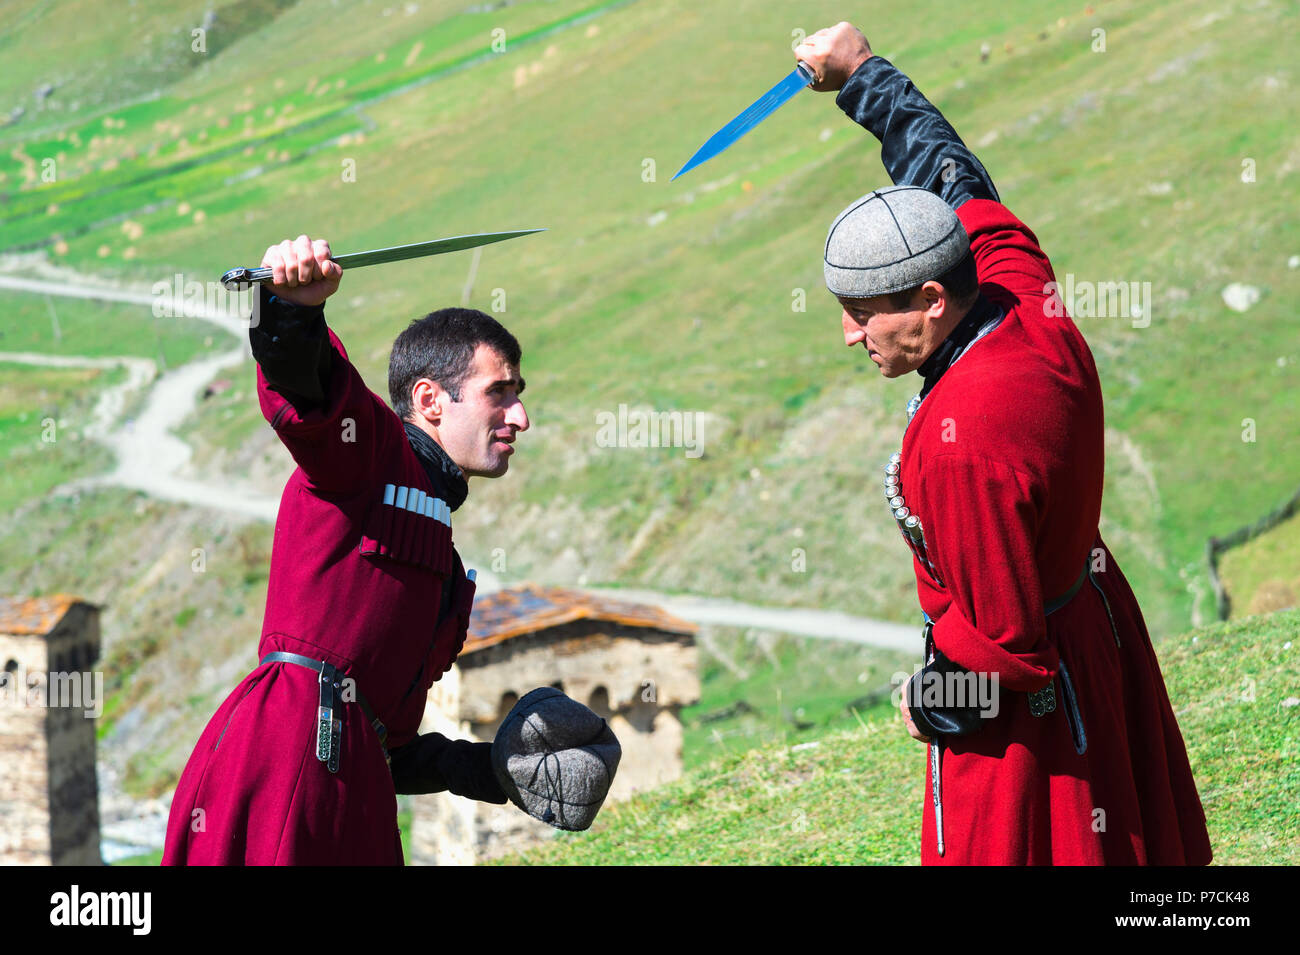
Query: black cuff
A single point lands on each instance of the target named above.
(918, 146)
(939, 701)
(432, 764)
(292, 345)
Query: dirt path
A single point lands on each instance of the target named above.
(150, 457)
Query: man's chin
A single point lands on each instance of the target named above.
(494, 472)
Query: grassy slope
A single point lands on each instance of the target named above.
(32, 398)
(1103, 152)
(102, 329)
(759, 689)
(693, 310)
(1263, 574)
(856, 796)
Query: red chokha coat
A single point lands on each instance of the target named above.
(1003, 463)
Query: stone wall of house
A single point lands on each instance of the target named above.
(442, 825)
(637, 678)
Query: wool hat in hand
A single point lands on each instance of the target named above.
(555, 759)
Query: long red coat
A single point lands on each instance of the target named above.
(1003, 463)
(253, 790)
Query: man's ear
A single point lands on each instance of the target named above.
(936, 299)
(429, 400)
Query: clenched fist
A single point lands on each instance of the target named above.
(834, 54)
(912, 731)
(302, 271)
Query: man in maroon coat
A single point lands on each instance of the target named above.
(367, 601)
(1051, 735)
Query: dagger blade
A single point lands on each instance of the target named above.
(242, 278)
(759, 110)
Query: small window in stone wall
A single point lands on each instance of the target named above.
(642, 715)
(599, 703)
(508, 701)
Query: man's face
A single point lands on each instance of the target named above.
(477, 432)
(898, 340)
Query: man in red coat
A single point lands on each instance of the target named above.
(1051, 735)
(367, 600)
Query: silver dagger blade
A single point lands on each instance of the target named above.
(242, 278)
(762, 108)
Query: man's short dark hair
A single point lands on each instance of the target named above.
(961, 282)
(441, 347)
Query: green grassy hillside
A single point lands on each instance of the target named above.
(374, 125)
(43, 416)
(856, 797)
(684, 291)
(1263, 575)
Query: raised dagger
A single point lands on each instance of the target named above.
(242, 278)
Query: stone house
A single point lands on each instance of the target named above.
(49, 700)
(633, 664)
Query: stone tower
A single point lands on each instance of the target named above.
(49, 700)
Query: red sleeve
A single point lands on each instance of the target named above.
(338, 443)
(981, 523)
(1006, 251)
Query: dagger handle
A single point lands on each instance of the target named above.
(236, 280)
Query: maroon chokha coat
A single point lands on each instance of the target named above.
(355, 583)
(1003, 463)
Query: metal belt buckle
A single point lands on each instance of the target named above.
(336, 744)
(324, 733)
(1042, 702)
(329, 727)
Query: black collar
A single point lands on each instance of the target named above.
(448, 480)
(983, 317)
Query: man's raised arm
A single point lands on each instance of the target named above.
(289, 340)
(332, 424)
(918, 146)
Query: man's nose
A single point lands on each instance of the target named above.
(517, 416)
(853, 332)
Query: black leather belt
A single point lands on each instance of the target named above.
(329, 714)
(1042, 702)
(1054, 605)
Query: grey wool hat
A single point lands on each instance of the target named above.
(555, 759)
(890, 240)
